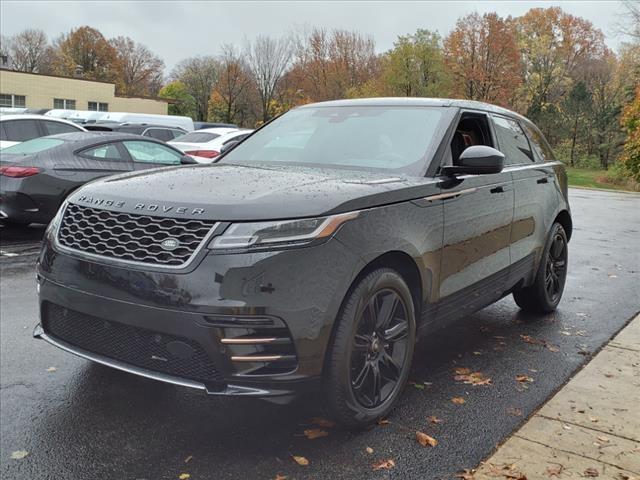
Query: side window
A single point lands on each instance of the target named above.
(513, 142)
(162, 134)
(539, 144)
(177, 133)
(472, 129)
(108, 151)
(52, 128)
(150, 152)
(238, 138)
(3, 134)
(21, 130)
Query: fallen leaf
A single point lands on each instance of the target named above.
(301, 460)
(516, 412)
(609, 375)
(383, 421)
(369, 450)
(384, 464)
(425, 440)
(555, 470)
(458, 400)
(314, 433)
(477, 353)
(323, 422)
(471, 378)
(602, 438)
(419, 386)
(19, 454)
(434, 419)
(465, 474)
(566, 427)
(280, 477)
(591, 472)
(51, 369)
(184, 476)
(524, 378)
(188, 459)
(593, 419)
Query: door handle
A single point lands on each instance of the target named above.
(499, 189)
(543, 180)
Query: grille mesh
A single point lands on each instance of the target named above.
(132, 345)
(131, 237)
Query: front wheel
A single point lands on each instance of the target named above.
(370, 356)
(545, 293)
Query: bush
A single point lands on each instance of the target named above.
(581, 159)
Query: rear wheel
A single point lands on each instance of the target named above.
(545, 293)
(370, 356)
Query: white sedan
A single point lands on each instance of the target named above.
(205, 145)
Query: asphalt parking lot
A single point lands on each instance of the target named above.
(77, 420)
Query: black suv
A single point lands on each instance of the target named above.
(159, 132)
(313, 254)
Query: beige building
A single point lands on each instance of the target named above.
(32, 90)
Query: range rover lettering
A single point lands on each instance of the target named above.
(314, 254)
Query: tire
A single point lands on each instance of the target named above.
(545, 293)
(359, 352)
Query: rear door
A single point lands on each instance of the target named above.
(534, 190)
(478, 212)
(146, 154)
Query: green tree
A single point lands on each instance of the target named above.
(575, 108)
(185, 103)
(415, 66)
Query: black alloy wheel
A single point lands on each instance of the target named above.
(556, 267)
(379, 348)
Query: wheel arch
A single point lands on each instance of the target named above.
(564, 219)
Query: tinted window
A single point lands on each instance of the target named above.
(33, 146)
(177, 133)
(134, 130)
(539, 144)
(513, 142)
(149, 152)
(52, 128)
(356, 137)
(159, 133)
(108, 151)
(21, 130)
(197, 137)
(237, 138)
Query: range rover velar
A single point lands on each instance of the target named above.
(312, 255)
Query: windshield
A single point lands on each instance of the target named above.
(33, 146)
(387, 138)
(196, 137)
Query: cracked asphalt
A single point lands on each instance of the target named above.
(85, 421)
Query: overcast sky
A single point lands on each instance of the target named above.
(178, 29)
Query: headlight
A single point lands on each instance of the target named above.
(279, 234)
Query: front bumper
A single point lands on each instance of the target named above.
(263, 320)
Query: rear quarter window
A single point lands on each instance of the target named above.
(539, 144)
(108, 151)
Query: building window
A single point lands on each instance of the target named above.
(64, 104)
(13, 101)
(98, 107)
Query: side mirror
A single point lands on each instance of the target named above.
(188, 160)
(476, 160)
(228, 146)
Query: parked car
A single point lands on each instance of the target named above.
(159, 132)
(201, 125)
(205, 145)
(313, 254)
(186, 123)
(21, 127)
(37, 175)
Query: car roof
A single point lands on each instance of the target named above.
(33, 116)
(218, 130)
(415, 102)
(85, 138)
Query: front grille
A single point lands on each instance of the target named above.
(131, 237)
(159, 352)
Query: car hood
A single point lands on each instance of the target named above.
(227, 192)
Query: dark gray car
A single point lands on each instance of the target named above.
(314, 254)
(37, 175)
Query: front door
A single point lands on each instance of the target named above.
(478, 212)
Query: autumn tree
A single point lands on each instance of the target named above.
(267, 59)
(415, 66)
(139, 71)
(199, 75)
(85, 51)
(229, 97)
(184, 103)
(553, 44)
(631, 124)
(482, 56)
(30, 51)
